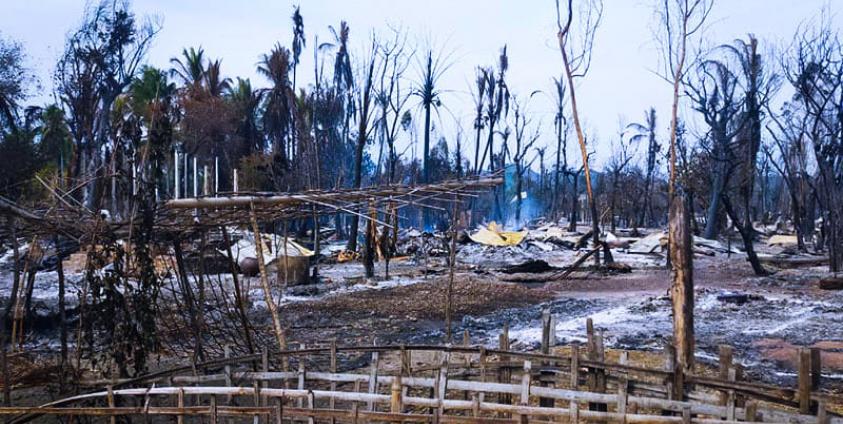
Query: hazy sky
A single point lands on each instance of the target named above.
(621, 83)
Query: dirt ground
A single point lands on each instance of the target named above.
(765, 318)
(780, 312)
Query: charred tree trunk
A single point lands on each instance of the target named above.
(712, 216)
(575, 204)
(682, 291)
(371, 239)
(747, 234)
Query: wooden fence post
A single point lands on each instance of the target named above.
(816, 368)
(301, 373)
(504, 372)
(575, 376)
(227, 369)
(279, 410)
(442, 383)
(804, 388)
(596, 376)
(751, 412)
(623, 386)
(333, 369)
(110, 399)
(726, 355)
(395, 399)
(213, 409)
(180, 404)
(730, 398)
(546, 330)
(373, 379)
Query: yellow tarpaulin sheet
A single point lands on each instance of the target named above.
(782, 240)
(493, 235)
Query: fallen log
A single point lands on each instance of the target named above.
(532, 266)
(796, 262)
(569, 269)
(831, 283)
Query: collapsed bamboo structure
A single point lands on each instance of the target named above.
(182, 217)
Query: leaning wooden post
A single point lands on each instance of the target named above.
(270, 302)
(682, 292)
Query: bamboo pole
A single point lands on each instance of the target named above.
(270, 302)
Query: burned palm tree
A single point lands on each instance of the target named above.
(479, 97)
(343, 75)
(279, 103)
(246, 102)
(432, 68)
(524, 141)
(299, 40)
(497, 103)
(365, 98)
(560, 123)
(647, 131)
(757, 85)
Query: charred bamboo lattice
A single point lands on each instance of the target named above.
(448, 384)
(175, 217)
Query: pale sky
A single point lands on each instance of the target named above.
(621, 84)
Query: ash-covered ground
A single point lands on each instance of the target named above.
(764, 318)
